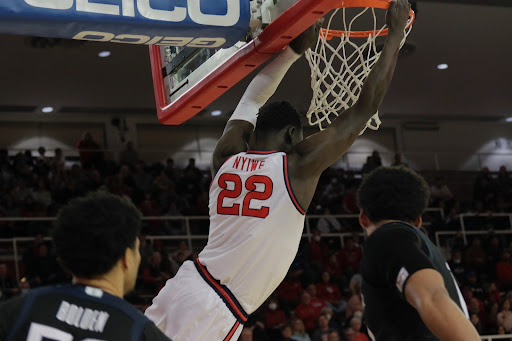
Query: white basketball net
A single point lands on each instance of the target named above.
(337, 87)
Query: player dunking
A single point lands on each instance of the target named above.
(259, 195)
(409, 291)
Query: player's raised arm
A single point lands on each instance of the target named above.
(240, 126)
(426, 292)
(322, 149)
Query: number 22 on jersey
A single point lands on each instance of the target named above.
(250, 185)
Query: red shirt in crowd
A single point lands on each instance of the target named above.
(328, 292)
(504, 272)
(290, 290)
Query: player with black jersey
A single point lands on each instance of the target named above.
(408, 289)
(96, 239)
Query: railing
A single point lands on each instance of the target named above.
(495, 337)
(484, 216)
(195, 228)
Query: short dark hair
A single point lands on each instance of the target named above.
(276, 116)
(393, 193)
(92, 233)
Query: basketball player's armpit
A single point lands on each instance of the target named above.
(234, 140)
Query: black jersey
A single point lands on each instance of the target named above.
(392, 253)
(73, 313)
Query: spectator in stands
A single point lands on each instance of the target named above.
(398, 160)
(457, 265)
(472, 281)
(57, 162)
(299, 331)
(21, 191)
(327, 223)
(322, 331)
(274, 317)
(318, 303)
(349, 334)
(484, 190)
(334, 268)
(170, 170)
(155, 273)
(354, 303)
(143, 180)
(286, 333)
(89, 150)
(332, 194)
(8, 285)
(452, 220)
(501, 331)
(174, 226)
(504, 185)
(369, 165)
(307, 312)
(290, 290)
(334, 335)
(184, 249)
(129, 155)
(475, 320)
(504, 272)
(504, 317)
(44, 267)
(493, 295)
(42, 195)
(149, 208)
(330, 293)
(193, 172)
(145, 249)
(318, 253)
(476, 256)
(356, 323)
(350, 256)
(440, 194)
(349, 201)
(373, 161)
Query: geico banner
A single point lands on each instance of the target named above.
(194, 23)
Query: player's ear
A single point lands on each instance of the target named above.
(418, 222)
(288, 137)
(364, 221)
(125, 260)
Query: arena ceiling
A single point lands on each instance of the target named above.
(472, 36)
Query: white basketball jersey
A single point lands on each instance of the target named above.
(255, 226)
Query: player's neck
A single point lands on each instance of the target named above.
(375, 226)
(104, 284)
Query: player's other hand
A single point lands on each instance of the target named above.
(307, 39)
(397, 15)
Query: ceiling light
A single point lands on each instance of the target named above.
(47, 110)
(216, 113)
(442, 66)
(104, 54)
(508, 119)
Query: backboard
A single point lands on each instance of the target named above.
(187, 78)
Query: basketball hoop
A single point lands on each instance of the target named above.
(340, 67)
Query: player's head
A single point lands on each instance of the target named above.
(280, 122)
(97, 235)
(393, 193)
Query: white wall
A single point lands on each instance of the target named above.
(454, 145)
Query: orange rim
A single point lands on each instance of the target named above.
(381, 4)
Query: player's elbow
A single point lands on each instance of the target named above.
(432, 301)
